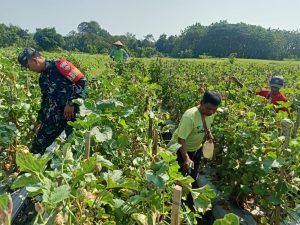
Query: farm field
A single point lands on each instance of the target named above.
(130, 110)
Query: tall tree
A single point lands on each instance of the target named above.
(92, 27)
(47, 39)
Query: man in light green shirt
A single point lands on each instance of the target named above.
(191, 129)
(191, 134)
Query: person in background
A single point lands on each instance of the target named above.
(273, 94)
(118, 52)
(61, 83)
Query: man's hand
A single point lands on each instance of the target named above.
(69, 112)
(188, 165)
(36, 126)
(210, 137)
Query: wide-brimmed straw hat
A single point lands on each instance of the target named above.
(118, 43)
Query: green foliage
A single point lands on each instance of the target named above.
(30, 163)
(231, 57)
(229, 219)
(5, 209)
(216, 40)
(14, 36)
(4, 199)
(47, 39)
(7, 132)
(122, 181)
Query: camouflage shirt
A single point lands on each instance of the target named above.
(57, 91)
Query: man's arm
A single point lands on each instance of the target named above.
(41, 114)
(240, 84)
(111, 54)
(232, 78)
(125, 55)
(79, 90)
(186, 159)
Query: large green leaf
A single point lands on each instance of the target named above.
(56, 194)
(7, 133)
(159, 181)
(167, 156)
(29, 163)
(4, 200)
(101, 136)
(115, 179)
(269, 163)
(110, 105)
(141, 219)
(104, 162)
(203, 197)
(173, 171)
(24, 180)
(229, 219)
(106, 197)
(86, 167)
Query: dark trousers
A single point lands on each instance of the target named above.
(196, 157)
(47, 133)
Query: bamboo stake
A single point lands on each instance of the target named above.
(287, 125)
(150, 128)
(87, 144)
(175, 217)
(155, 142)
(286, 132)
(277, 215)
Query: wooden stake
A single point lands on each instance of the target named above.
(286, 132)
(87, 144)
(150, 128)
(155, 142)
(287, 125)
(175, 217)
(277, 215)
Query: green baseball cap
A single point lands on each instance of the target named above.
(26, 54)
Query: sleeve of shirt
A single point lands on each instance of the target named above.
(185, 127)
(285, 109)
(263, 93)
(111, 54)
(259, 92)
(41, 115)
(284, 99)
(79, 90)
(125, 55)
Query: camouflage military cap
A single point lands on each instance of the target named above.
(26, 54)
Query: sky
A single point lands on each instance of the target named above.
(142, 17)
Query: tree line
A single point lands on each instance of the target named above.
(219, 39)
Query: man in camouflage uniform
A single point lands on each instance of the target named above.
(58, 93)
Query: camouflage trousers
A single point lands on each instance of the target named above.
(48, 132)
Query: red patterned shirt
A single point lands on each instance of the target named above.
(273, 97)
